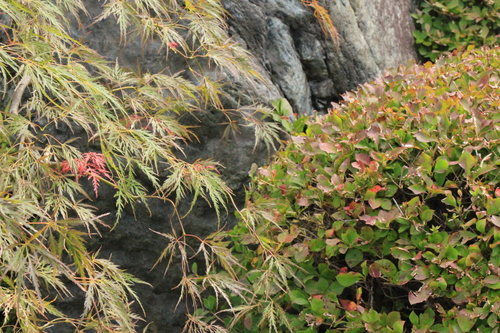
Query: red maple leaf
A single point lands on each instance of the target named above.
(92, 166)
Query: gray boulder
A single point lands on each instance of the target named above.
(309, 69)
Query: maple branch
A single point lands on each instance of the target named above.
(18, 93)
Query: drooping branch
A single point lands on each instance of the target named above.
(18, 93)
(16, 101)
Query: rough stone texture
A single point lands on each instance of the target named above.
(296, 61)
(287, 39)
(374, 35)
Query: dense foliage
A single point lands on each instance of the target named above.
(381, 216)
(445, 25)
(67, 116)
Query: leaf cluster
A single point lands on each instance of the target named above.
(445, 25)
(384, 214)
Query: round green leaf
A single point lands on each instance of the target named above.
(353, 257)
(348, 279)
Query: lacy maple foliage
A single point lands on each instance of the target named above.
(92, 166)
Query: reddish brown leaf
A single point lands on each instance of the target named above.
(376, 188)
(283, 189)
(327, 147)
(373, 165)
(419, 296)
(336, 180)
(484, 80)
(373, 132)
(360, 308)
(332, 242)
(418, 256)
(363, 158)
(264, 172)
(348, 305)
(370, 220)
(352, 205)
(344, 166)
(329, 233)
(360, 135)
(358, 165)
(374, 271)
(386, 217)
(286, 237)
(277, 216)
(302, 201)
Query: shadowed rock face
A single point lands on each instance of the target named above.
(296, 61)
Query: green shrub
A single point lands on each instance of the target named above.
(381, 216)
(445, 25)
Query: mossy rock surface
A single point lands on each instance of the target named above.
(384, 214)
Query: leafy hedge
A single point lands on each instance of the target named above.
(381, 216)
(445, 25)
